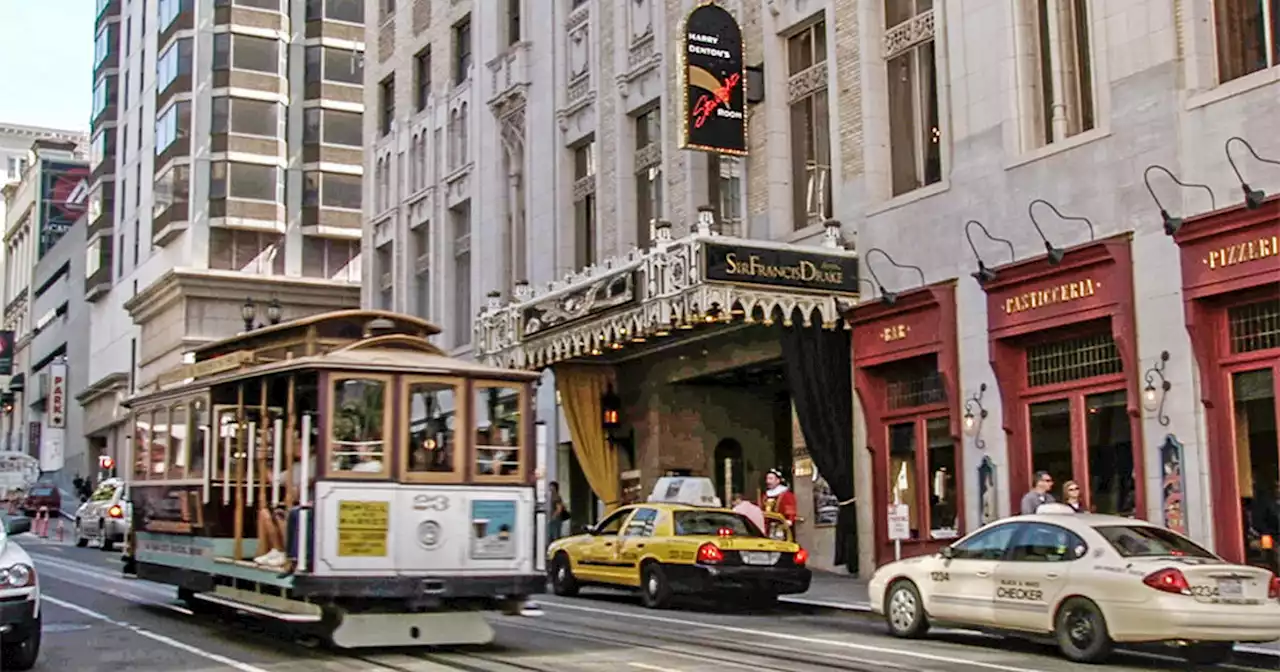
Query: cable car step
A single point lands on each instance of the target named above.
(260, 609)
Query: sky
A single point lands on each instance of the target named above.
(46, 62)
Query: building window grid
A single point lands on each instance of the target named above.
(1072, 359)
(1254, 326)
(1248, 36)
(915, 132)
(726, 186)
(810, 125)
(461, 50)
(234, 51)
(462, 274)
(1063, 99)
(339, 191)
(422, 270)
(648, 173)
(584, 204)
(422, 78)
(913, 383)
(387, 104)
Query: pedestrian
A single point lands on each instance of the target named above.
(777, 498)
(1071, 495)
(558, 514)
(1039, 493)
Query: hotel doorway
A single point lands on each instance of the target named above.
(1252, 368)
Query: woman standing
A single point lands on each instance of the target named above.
(777, 498)
(1071, 495)
(558, 513)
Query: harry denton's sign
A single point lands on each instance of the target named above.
(715, 101)
(780, 268)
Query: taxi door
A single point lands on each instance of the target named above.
(962, 587)
(1034, 576)
(598, 556)
(636, 535)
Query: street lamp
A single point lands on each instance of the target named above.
(610, 410)
(248, 313)
(274, 311)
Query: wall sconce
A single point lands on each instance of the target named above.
(610, 410)
(984, 274)
(1252, 197)
(1055, 253)
(973, 422)
(1171, 223)
(1153, 399)
(889, 298)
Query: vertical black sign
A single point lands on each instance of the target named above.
(6, 353)
(715, 101)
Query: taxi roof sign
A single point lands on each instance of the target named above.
(688, 490)
(1054, 507)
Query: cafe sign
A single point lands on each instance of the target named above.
(1243, 252)
(796, 269)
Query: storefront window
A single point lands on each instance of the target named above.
(180, 447)
(432, 427)
(1051, 440)
(1253, 397)
(1111, 482)
(497, 417)
(943, 512)
(358, 441)
(902, 470)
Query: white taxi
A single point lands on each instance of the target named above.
(19, 601)
(1089, 581)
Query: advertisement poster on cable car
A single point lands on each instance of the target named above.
(169, 509)
(493, 530)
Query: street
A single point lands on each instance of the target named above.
(96, 620)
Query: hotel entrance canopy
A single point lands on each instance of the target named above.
(675, 289)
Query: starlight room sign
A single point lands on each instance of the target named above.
(715, 101)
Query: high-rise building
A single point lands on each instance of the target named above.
(226, 176)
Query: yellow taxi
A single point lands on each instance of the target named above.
(681, 541)
(1089, 581)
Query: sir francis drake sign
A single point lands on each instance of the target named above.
(715, 101)
(780, 268)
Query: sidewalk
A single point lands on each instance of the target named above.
(831, 590)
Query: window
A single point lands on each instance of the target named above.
(102, 45)
(93, 257)
(1248, 36)
(331, 190)
(461, 273)
(245, 116)
(172, 188)
(179, 447)
(461, 50)
(385, 272)
(422, 289)
(709, 524)
(1146, 541)
(103, 149)
(18, 166)
(386, 104)
(124, 91)
(1041, 542)
(332, 127)
(1062, 95)
(915, 136)
(987, 544)
(246, 52)
(642, 524)
(199, 435)
(648, 163)
(334, 65)
(255, 252)
(932, 507)
(270, 5)
(174, 123)
(433, 427)
(459, 147)
(811, 190)
(725, 188)
(104, 95)
(498, 429)
(513, 21)
(422, 78)
(613, 524)
(357, 428)
(252, 181)
(349, 11)
(172, 63)
(331, 258)
(584, 204)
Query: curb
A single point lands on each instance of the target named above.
(1250, 651)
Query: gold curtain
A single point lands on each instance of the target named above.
(581, 388)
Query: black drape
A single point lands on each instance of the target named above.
(819, 372)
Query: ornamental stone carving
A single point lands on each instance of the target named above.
(909, 33)
(640, 19)
(579, 51)
(807, 82)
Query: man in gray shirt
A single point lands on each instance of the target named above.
(1039, 493)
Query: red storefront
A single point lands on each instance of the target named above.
(1231, 289)
(905, 371)
(1063, 348)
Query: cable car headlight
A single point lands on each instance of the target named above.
(17, 576)
(429, 534)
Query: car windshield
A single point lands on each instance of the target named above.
(710, 523)
(41, 492)
(1145, 541)
(104, 493)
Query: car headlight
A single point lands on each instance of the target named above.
(17, 576)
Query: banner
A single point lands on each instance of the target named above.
(64, 198)
(714, 103)
(57, 396)
(6, 353)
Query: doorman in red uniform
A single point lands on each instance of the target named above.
(777, 497)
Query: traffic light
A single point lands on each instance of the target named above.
(107, 464)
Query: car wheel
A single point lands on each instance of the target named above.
(1208, 653)
(22, 655)
(81, 541)
(1081, 631)
(107, 544)
(654, 589)
(563, 582)
(904, 611)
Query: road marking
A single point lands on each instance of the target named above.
(887, 650)
(156, 637)
(654, 668)
(136, 599)
(96, 574)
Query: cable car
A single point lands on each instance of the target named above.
(342, 474)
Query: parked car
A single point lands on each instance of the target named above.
(43, 494)
(19, 600)
(105, 517)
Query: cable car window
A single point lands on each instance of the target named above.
(199, 438)
(432, 426)
(496, 409)
(180, 448)
(357, 432)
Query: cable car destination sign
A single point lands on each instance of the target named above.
(714, 104)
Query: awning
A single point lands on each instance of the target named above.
(674, 289)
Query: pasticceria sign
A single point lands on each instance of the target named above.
(1049, 296)
(780, 268)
